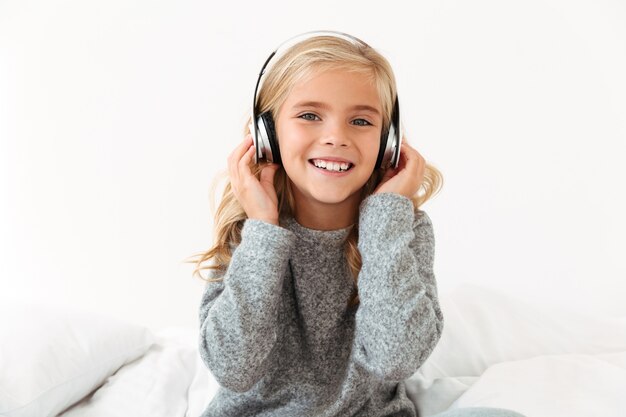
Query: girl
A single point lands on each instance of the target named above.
(284, 327)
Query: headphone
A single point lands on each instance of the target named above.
(262, 125)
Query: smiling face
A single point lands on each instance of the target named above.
(335, 114)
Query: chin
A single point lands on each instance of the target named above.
(328, 196)
(330, 200)
(324, 192)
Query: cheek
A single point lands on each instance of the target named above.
(372, 151)
(291, 152)
(292, 141)
(293, 131)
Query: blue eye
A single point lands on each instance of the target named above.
(307, 114)
(368, 123)
(303, 116)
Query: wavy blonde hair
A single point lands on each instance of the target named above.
(297, 64)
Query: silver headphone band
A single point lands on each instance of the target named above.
(284, 46)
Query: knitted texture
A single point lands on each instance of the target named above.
(277, 333)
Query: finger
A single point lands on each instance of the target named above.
(238, 152)
(406, 148)
(413, 159)
(390, 173)
(235, 157)
(244, 164)
(402, 159)
(410, 154)
(267, 174)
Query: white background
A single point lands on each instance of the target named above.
(116, 115)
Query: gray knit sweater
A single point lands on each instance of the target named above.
(277, 333)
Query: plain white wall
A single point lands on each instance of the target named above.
(114, 117)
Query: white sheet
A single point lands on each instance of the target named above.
(561, 374)
(170, 380)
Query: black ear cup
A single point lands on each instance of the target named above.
(384, 138)
(390, 140)
(395, 134)
(267, 122)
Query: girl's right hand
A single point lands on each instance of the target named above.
(257, 197)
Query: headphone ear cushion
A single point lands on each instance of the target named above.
(271, 136)
(390, 138)
(384, 137)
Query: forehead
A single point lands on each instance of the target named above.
(336, 88)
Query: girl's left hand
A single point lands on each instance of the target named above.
(407, 177)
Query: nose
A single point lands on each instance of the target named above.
(336, 134)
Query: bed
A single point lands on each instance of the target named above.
(496, 350)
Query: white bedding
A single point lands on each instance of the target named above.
(495, 351)
(169, 380)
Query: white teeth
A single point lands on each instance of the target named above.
(331, 166)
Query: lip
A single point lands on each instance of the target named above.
(332, 158)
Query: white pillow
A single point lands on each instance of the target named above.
(568, 385)
(51, 357)
(154, 385)
(483, 327)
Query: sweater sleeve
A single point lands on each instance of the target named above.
(399, 320)
(238, 315)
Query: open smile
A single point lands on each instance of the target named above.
(331, 172)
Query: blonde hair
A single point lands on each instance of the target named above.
(299, 62)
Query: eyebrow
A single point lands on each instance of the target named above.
(325, 106)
